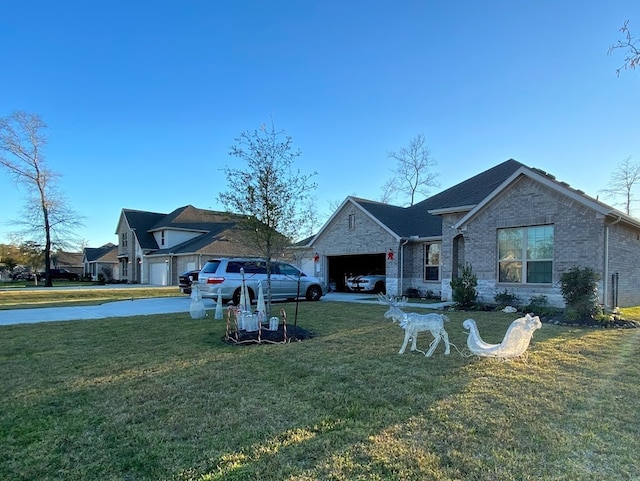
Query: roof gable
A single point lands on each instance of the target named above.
(140, 223)
(550, 182)
(106, 253)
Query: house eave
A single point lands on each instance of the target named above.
(452, 210)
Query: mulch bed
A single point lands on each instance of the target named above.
(591, 323)
(247, 338)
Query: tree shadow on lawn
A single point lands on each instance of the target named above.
(363, 410)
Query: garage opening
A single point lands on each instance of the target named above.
(342, 267)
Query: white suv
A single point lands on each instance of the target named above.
(287, 281)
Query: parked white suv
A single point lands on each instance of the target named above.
(225, 274)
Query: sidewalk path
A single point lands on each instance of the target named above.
(144, 307)
(136, 307)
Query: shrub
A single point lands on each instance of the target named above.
(539, 305)
(506, 298)
(464, 288)
(579, 287)
(412, 293)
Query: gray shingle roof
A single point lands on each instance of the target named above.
(93, 254)
(417, 221)
(142, 222)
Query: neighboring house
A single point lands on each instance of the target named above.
(72, 261)
(517, 227)
(156, 248)
(101, 260)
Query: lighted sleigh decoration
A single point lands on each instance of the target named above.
(515, 342)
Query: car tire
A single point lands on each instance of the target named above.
(236, 296)
(380, 288)
(314, 293)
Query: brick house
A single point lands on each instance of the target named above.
(155, 248)
(517, 227)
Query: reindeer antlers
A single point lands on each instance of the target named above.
(389, 300)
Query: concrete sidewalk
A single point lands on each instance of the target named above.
(136, 307)
(144, 307)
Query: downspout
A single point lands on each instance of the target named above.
(404, 243)
(605, 280)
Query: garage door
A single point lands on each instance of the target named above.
(158, 274)
(341, 267)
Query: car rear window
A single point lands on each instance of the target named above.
(210, 267)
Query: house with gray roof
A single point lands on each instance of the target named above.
(101, 261)
(155, 248)
(517, 227)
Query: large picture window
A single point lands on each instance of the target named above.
(525, 254)
(432, 262)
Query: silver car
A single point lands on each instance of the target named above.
(226, 275)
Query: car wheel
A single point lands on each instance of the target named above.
(236, 296)
(380, 288)
(314, 293)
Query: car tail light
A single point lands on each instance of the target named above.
(215, 280)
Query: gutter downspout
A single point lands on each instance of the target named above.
(605, 280)
(402, 244)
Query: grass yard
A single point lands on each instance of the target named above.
(163, 398)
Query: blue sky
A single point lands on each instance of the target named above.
(144, 98)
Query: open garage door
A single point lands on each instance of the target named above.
(341, 267)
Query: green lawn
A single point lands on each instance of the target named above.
(162, 397)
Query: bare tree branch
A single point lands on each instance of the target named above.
(622, 183)
(631, 48)
(412, 173)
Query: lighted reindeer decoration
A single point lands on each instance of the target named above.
(413, 323)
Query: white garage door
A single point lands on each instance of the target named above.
(158, 274)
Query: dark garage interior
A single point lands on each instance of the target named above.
(341, 267)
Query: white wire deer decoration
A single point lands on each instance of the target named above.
(413, 323)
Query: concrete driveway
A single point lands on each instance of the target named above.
(144, 307)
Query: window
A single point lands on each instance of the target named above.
(526, 255)
(125, 267)
(124, 239)
(352, 221)
(432, 262)
(161, 238)
(289, 270)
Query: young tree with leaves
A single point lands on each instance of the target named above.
(47, 217)
(270, 193)
(623, 183)
(412, 174)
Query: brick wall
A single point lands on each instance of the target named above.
(579, 235)
(366, 237)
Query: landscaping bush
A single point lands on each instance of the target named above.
(539, 305)
(464, 288)
(506, 298)
(580, 292)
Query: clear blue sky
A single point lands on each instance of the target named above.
(144, 98)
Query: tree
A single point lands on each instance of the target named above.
(631, 48)
(47, 217)
(411, 174)
(622, 183)
(269, 193)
